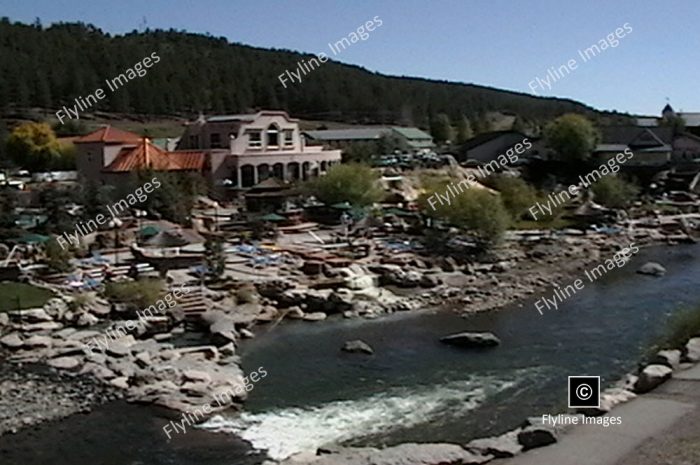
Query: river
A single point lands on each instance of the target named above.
(412, 389)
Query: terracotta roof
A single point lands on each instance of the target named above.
(109, 134)
(145, 155)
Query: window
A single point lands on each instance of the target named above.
(194, 142)
(215, 140)
(273, 136)
(288, 138)
(254, 140)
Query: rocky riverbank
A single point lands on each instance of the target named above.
(33, 394)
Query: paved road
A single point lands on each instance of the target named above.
(659, 428)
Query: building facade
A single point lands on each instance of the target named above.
(247, 149)
(109, 155)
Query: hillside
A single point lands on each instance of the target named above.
(49, 67)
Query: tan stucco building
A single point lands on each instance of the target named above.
(249, 148)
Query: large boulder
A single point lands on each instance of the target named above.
(652, 376)
(503, 446)
(531, 437)
(38, 342)
(608, 400)
(693, 350)
(652, 269)
(471, 339)
(32, 315)
(12, 341)
(64, 363)
(315, 316)
(357, 346)
(670, 358)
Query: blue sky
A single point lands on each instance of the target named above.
(499, 43)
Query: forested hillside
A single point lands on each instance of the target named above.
(49, 66)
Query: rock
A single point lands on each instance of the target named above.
(56, 308)
(315, 316)
(246, 333)
(196, 375)
(100, 372)
(12, 341)
(340, 301)
(121, 383)
(223, 330)
(87, 319)
(38, 341)
(358, 347)
(503, 446)
(608, 400)
(652, 376)
(652, 269)
(83, 335)
(43, 326)
(143, 359)
(429, 281)
(471, 339)
(449, 264)
(295, 313)
(117, 349)
(4, 319)
(532, 437)
(403, 454)
(32, 315)
(670, 358)
(64, 363)
(693, 350)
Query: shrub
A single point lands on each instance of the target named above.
(140, 294)
(353, 183)
(516, 194)
(246, 294)
(681, 327)
(614, 192)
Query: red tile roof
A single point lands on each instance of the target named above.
(148, 156)
(108, 134)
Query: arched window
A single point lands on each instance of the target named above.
(273, 136)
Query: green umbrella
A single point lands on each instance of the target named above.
(31, 238)
(342, 206)
(273, 217)
(148, 231)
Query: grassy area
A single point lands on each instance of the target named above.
(682, 326)
(20, 295)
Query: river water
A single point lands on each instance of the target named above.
(412, 389)
(415, 388)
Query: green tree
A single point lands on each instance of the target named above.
(482, 124)
(55, 200)
(33, 146)
(516, 194)
(572, 137)
(8, 213)
(353, 183)
(441, 128)
(614, 192)
(476, 211)
(214, 257)
(175, 197)
(57, 259)
(464, 130)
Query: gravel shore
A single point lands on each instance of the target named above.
(33, 394)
